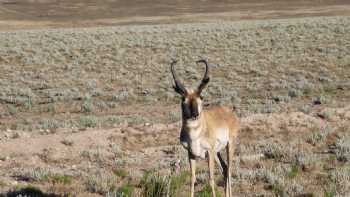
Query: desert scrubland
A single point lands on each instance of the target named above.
(91, 111)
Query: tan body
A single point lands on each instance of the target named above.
(205, 132)
(216, 129)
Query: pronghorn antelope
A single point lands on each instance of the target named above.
(205, 132)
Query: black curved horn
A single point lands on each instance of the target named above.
(178, 87)
(206, 78)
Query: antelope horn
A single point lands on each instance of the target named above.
(206, 78)
(178, 87)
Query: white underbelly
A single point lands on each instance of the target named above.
(200, 146)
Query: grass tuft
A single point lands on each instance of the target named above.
(153, 184)
(122, 173)
(125, 191)
(293, 172)
(63, 179)
(207, 191)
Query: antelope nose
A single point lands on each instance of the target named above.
(195, 114)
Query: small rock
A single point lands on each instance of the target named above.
(75, 130)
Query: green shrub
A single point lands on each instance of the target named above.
(88, 121)
(277, 189)
(101, 183)
(64, 179)
(120, 173)
(293, 172)
(87, 106)
(329, 194)
(125, 190)
(28, 105)
(207, 191)
(177, 181)
(155, 185)
(12, 109)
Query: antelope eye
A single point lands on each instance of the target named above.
(201, 97)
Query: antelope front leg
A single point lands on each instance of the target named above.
(211, 158)
(193, 173)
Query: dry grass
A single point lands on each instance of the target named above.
(287, 79)
(69, 72)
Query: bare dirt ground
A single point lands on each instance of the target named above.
(90, 111)
(156, 146)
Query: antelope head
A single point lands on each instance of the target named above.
(192, 101)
